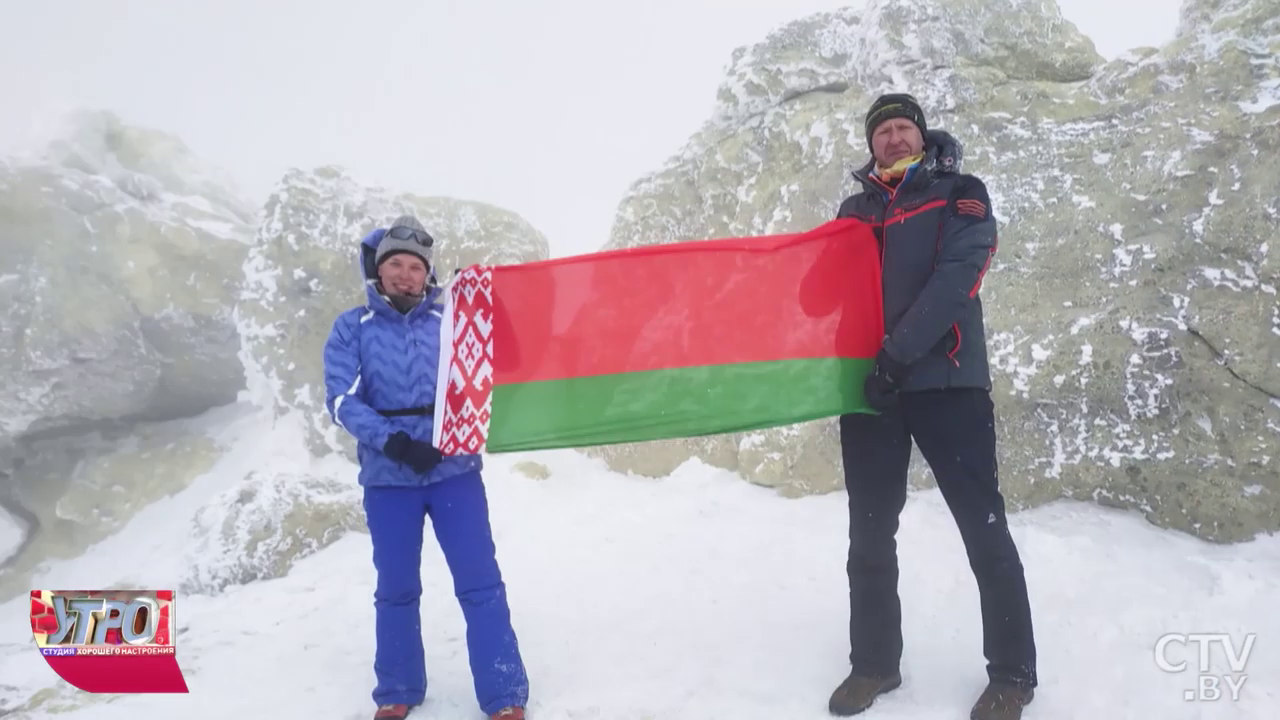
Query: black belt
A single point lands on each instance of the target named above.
(405, 412)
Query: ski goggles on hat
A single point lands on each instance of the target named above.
(417, 236)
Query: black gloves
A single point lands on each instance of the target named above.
(882, 385)
(420, 456)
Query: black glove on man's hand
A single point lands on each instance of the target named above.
(882, 385)
(420, 456)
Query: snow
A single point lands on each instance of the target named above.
(692, 596)
(224, 230)
(1268, 97)
(1226, 277)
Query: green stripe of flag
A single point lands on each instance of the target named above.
(678, 402)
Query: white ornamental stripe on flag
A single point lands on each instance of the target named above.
(465, 386)
(444, 362)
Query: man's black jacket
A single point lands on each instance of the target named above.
(937, 238)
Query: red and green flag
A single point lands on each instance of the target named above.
(661, 341)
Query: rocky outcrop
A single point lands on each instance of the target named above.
(260, 528)
(1134, 324)
(303, 271)
(77, 491)
(119, 262)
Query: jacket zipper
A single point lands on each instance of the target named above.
(884, 244)
(884, 220)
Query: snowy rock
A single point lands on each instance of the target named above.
(120, 259)
(1134, 324)
(260, 528)
(304, 270)
(81, 490)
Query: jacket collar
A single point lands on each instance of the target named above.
(380, 305)
(943, 154)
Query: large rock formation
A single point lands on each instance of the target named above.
(1134, 322)
(304, 270)
(258, 529)
(119, 262)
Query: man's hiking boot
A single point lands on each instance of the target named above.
(391, 712)
(1001, 701)
(857, 692)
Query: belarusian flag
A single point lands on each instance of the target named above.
(661, 341)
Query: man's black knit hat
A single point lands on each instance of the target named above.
(894, 105)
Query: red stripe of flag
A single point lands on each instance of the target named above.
(733, 300)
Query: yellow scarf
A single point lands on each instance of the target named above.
(898, 169)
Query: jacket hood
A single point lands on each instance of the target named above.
(943, 153)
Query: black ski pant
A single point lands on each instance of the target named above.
(955, 431)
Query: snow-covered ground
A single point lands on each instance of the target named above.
(693, 596)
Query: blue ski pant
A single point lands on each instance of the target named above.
(459, 513)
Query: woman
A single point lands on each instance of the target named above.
(380, 366)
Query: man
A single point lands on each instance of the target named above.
(380, 374)
(931, 384)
